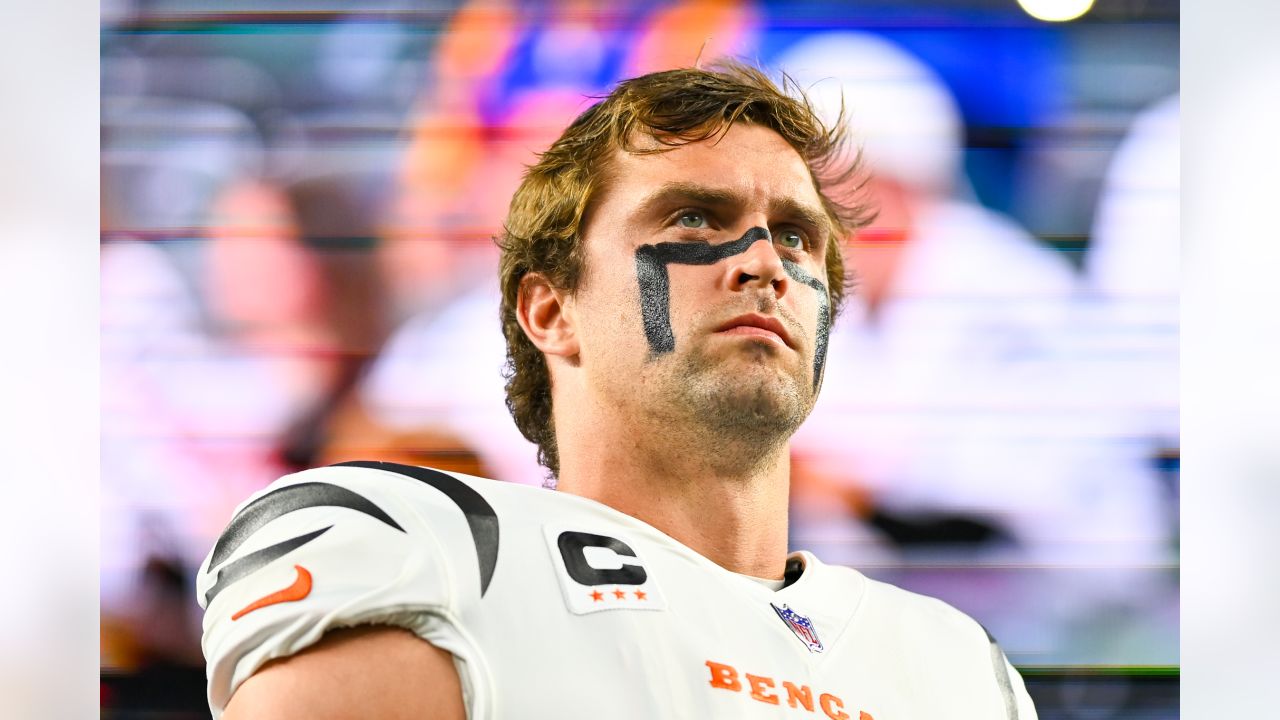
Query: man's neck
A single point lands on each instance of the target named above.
(735, 517)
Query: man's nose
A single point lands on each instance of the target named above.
(759, 266)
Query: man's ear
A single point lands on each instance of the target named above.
(542, 312)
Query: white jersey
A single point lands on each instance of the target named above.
(556, 606)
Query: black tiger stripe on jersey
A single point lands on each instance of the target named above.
(269, 507)
(287, 500)
(481, 519)
(246, 565)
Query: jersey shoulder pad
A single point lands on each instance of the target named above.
(345, 545)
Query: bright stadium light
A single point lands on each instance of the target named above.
(1056, 10)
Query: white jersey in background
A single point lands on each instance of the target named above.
(556, 606)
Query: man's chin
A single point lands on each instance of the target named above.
(764, 389)
(757, 403)
(770, 366)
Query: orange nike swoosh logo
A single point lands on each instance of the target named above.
(300, 588)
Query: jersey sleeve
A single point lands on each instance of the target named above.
(1014, 700)
(1022, 699)
(330, 548)
(1013, 691)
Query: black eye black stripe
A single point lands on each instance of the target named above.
(481, 519)
(655, 288)
(798, 274)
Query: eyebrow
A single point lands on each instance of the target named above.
(676, 193)
(680, 193)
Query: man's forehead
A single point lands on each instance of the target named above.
(732, 162)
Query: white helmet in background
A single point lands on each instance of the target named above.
(897, 108)
(1134, 248)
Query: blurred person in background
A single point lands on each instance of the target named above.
(1132, 278)
(206, 377)
(431, 246)
(163, 428)
(237, 299)
(416, 384)
(1122, 376)
(467, 155)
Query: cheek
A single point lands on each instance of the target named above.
(609, 319)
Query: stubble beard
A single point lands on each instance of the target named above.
(737, 420)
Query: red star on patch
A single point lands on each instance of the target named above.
(619, 594)
(596, 596)
(641, 595)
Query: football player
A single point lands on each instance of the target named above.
(670, 270)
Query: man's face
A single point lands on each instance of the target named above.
(704, 294)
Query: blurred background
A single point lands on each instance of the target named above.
(298, 201)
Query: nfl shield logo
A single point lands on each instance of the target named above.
(801, 626)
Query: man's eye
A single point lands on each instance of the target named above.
(692, 219)
(790, 238)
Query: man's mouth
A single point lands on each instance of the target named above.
(762, 326)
